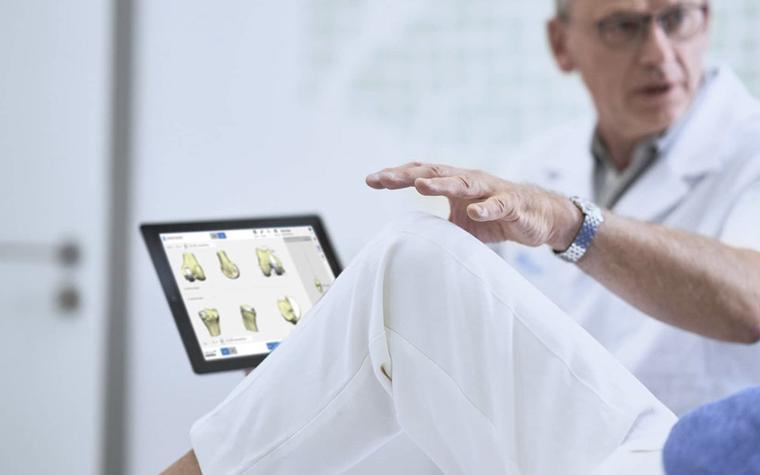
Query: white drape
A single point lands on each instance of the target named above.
(430, 335)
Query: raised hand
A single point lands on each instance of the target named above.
(490, 208)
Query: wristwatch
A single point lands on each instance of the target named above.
(592, 219)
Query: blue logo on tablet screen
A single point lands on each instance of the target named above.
(225, 351)
(220, 235)
(272, 345)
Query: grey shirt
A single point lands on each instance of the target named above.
(610, 183)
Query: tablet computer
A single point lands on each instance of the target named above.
(237, 288)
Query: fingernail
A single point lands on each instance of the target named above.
(373, 177)
(481, 211)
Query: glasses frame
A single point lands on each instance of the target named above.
(645, 22)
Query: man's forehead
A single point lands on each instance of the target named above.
(600, 7)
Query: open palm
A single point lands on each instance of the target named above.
(490, 208)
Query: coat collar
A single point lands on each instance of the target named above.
(693, 149)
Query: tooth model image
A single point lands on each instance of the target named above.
(249, 318)
(268, 261)
(229, 269)
(210, 318)
(289, 309)
(191, 269)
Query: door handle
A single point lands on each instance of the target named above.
(66, 255)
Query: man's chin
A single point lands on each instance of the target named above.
(659, 113)
(653, 121)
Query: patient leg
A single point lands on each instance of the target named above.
(430, 335)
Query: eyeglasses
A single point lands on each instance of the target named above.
(679, 22)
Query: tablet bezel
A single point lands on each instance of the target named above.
(151, 233)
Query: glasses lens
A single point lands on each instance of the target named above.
(621, 28)
(682, 21)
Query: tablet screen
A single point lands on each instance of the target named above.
(245, 289)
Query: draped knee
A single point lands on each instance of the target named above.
(439, 260)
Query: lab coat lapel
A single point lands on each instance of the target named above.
(659, 190)
(694, 154)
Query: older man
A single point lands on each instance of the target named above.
(673, 172)
(430, 340)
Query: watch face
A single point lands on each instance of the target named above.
(587, 207)
(581, 203)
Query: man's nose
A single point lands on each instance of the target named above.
(656, 48)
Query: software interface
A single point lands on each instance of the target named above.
(246, 289)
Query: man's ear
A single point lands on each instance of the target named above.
(557, 32)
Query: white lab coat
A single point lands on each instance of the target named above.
(709, 183)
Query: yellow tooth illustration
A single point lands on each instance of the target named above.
(191, 269)
(268, 262)
(210, 318)
(289, 309)
(264, 264)
(249, 317)
(319, 286)
(229, 269)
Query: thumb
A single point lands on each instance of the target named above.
(491, 209)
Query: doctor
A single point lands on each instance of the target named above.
(659, 258)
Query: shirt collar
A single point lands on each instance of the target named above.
(641, 152)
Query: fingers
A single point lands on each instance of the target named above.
(460, 186)
(391, 178)
(405, 175)
(495, 207)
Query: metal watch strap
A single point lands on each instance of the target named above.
(592, 219)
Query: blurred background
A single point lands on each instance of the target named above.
(114, 113)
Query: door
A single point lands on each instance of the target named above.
(54, 122)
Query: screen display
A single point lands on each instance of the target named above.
(246, 289)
